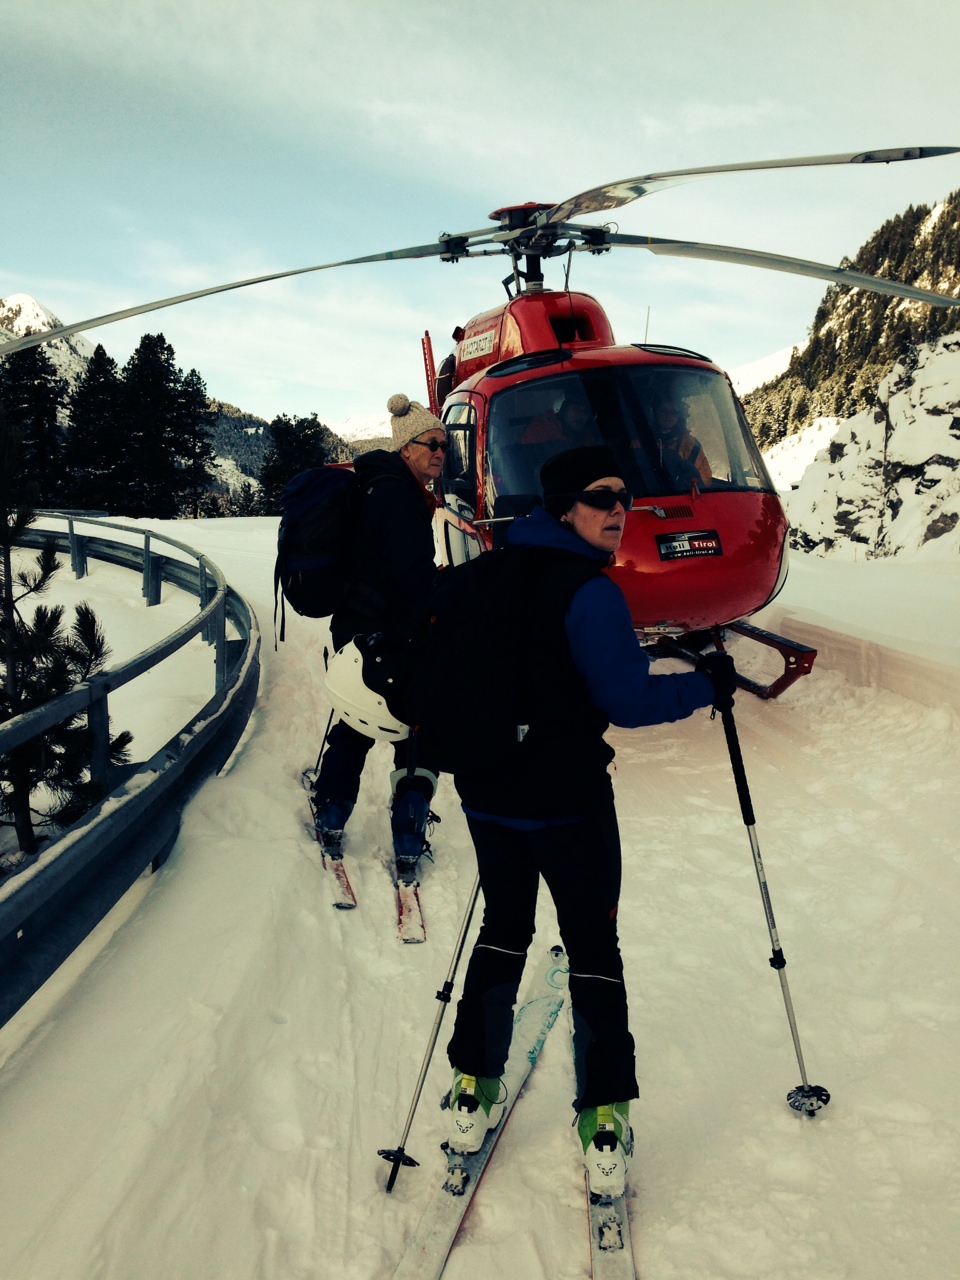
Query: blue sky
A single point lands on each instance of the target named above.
(151, 148)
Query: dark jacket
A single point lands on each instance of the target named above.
(395, 562)
(586, 670)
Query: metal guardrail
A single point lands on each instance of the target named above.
(49, 907)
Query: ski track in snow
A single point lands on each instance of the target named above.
(202, 1092)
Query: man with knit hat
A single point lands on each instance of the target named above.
(394, 570)
(547, 807)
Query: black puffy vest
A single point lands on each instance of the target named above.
(560, 768)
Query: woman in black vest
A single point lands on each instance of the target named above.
(549, 811)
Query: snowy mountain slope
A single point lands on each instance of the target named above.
(747, 377)
(889, 483)
(207, 1096)
(20, 314)
(360, 427)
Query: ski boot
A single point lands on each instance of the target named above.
(476, 1106)
(410, 817)
(607, 1141)
(329, 818)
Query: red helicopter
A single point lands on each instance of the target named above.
(705, 542)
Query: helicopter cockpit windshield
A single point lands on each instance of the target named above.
(671, 429)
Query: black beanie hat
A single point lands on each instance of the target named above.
(571, 472)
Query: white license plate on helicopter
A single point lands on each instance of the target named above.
(686, 546)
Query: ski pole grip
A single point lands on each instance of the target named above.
(739, 772)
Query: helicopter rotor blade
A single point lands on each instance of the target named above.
(777, 262)
(65, 330)
(615, 194)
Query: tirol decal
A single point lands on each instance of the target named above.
(481, 345)
(686, 546)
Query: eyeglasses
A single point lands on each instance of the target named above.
(433, 445)
(603, 499)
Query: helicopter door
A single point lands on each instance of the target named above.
(459, 481)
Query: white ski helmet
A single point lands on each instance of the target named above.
(355, 702)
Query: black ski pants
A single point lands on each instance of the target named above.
(343, 760)
(580, 863)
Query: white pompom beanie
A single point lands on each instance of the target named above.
(408, 419)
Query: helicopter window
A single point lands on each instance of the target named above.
(685, 426)
(671, 427)
(529, 424)
(459, 473)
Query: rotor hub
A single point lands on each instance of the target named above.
(514, 216)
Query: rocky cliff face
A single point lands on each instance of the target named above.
(889, 480)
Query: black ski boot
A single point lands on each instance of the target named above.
(410, 818)
(330, 817)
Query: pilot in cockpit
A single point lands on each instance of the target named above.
(680, 451)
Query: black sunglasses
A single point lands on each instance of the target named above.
(433, 445)
(602, 499)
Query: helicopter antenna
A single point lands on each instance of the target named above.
(646, 332)
(566, 274)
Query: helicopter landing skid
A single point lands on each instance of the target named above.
(798, 658)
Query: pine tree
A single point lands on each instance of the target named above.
(95, 440)
(294, 447)
(193, 444)
(31, 392)
(47, 780)
(148, 467)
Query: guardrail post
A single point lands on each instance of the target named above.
(209, 631)
(78, 551)
(98, 722)
(152, 575)
(220, 656)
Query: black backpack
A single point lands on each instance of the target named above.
(459, 673)
(315, 544)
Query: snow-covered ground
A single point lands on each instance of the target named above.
(201, 1092)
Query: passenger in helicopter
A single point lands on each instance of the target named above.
(680, 451)
(394, 570)
(543, 809)
(572, 424)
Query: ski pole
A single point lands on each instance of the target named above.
(326, 735)
(398, 1156)
(806, 1098)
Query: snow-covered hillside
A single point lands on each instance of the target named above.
(202, 1090)
(889, 481)
(788, 459)
(360, 427)
(749, 376)
(20, 314)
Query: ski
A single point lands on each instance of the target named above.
(426, 1255)
(611, 1246)
(410, 923)
(342, 893)
(344, 896)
